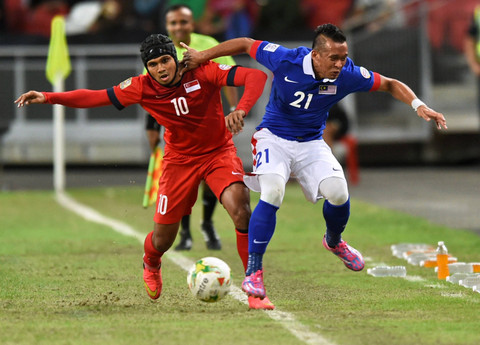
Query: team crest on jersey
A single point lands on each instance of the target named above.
(224, 67)
(191, 86)
(327, 90)
(126, 83)
(365, 72)
(271, 47)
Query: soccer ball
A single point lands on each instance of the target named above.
(209, 279)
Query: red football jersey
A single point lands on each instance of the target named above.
(190, 111)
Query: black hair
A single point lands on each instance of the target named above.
(330, 31)
(177, 7)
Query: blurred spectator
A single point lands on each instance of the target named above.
(31, 17)
(104, 21)
(448, 22)
(82, 16)
(3, 24)
(13, 15)
(373, 15)
(227, 19)
(114, 16)
(292, 25)
(149, 13)
(317, 12)
(472, 48)
(2, 17)
(38, 20)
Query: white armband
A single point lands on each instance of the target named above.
(417, 103)
(232, 108)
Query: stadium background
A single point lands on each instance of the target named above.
(405, 165)
(424, 51)
(105, 146)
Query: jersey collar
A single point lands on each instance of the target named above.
(308, 68)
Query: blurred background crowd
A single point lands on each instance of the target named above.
(129, 21)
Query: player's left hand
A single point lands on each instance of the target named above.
(191, 59)
(429, 114)
(234, 121)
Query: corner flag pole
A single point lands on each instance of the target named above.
(58, 68)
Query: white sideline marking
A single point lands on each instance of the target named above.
(415, 278)
(287, 320)
(453, 294)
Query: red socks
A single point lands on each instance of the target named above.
(242, 247)
(152, 257)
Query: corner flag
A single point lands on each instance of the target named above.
(57, 69)
(58, 60)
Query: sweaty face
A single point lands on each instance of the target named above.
(329, 59)
(163, 69)
(180, 25)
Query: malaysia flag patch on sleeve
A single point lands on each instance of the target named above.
(327, 90)
(271, 47)
(192, 86)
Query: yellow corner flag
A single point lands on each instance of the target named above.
(58, 60)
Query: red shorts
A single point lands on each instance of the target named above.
(181, 177)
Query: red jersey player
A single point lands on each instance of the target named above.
(198, 145)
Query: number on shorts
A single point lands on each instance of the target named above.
(260, 157)
(162, 204)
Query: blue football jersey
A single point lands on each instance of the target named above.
(299, 103)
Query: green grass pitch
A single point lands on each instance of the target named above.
(64, 280)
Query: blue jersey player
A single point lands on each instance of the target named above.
(288, 142)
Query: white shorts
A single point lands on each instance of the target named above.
(309, 162)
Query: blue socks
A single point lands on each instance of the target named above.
(255, 263)
(262, 226)
(336, 218)
(260, 231)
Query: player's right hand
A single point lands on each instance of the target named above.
(234, 121)
(429, 114)
(191, 59)
(30, 97)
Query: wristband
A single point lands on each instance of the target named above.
(417, 103)
(233, 108)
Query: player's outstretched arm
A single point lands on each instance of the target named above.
(403, 93)
(193, 58)
(30, 97)
(81, 98)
